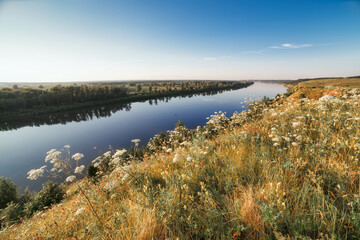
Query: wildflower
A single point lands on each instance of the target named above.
(79, 169)
(35, 173)
(107, 154)
(295, 144)
(168, 150)
(328, 98)
(79, 211)
(296, 124)
(189, 159)
(119, 153)
(135, 140)
(67, 146)
(77, 156)
(52, 156)
(96, 159)
(176, 158)
(276, 139)
(125, 177)
(70, 178)
(115, 160)
(286, 139)
(51, 151)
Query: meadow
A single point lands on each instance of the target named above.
(287, 168)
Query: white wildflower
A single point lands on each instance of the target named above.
(189, 159)
(70, 178)
(119, 153)
(296, 124)
(79, 211)
(107, 154)
(67, 146)
(115, 160)
(52, 156)
(276, 139)
(79, 169)
(125, 177)
(168, 150)
(51, 151)
(36, 173)
(136, 141)
(328, 98)
(295, 144)
(96, 159)
(77, 156)
(176, 158)
(286, 139)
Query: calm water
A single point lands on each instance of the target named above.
(26, 147)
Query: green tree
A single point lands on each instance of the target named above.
(138, 88)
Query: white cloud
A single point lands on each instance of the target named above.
(290, 45)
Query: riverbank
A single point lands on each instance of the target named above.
(13, 116)
(286, 168)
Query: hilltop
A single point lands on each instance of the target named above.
(286, 168)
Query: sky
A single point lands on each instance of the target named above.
(86, 40)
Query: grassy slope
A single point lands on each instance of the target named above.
(288, 168)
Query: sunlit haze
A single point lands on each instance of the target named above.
(89, 40)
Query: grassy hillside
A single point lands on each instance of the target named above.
(286, 168)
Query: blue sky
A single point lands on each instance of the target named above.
(82, 40)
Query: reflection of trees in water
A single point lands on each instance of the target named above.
(86, 114)
(66, 117)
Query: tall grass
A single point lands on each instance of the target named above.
(286, 168)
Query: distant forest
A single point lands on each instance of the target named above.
(26, 98)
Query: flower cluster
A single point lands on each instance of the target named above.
(62, 166)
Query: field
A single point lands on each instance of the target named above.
(288, 168)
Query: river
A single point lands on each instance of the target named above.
(93, 131)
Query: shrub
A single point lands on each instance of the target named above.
(10, 214)
(8, 192)
(50, 194)
(91, 171)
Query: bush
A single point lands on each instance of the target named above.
(50, 194)
(8, 192)
(91, 172)
(10, 214)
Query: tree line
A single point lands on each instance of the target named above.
(17, 98)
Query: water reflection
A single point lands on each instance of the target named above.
(86, 114)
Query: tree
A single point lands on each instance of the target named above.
(138, 88)
(8, 192)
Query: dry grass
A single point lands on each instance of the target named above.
(289, 168)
